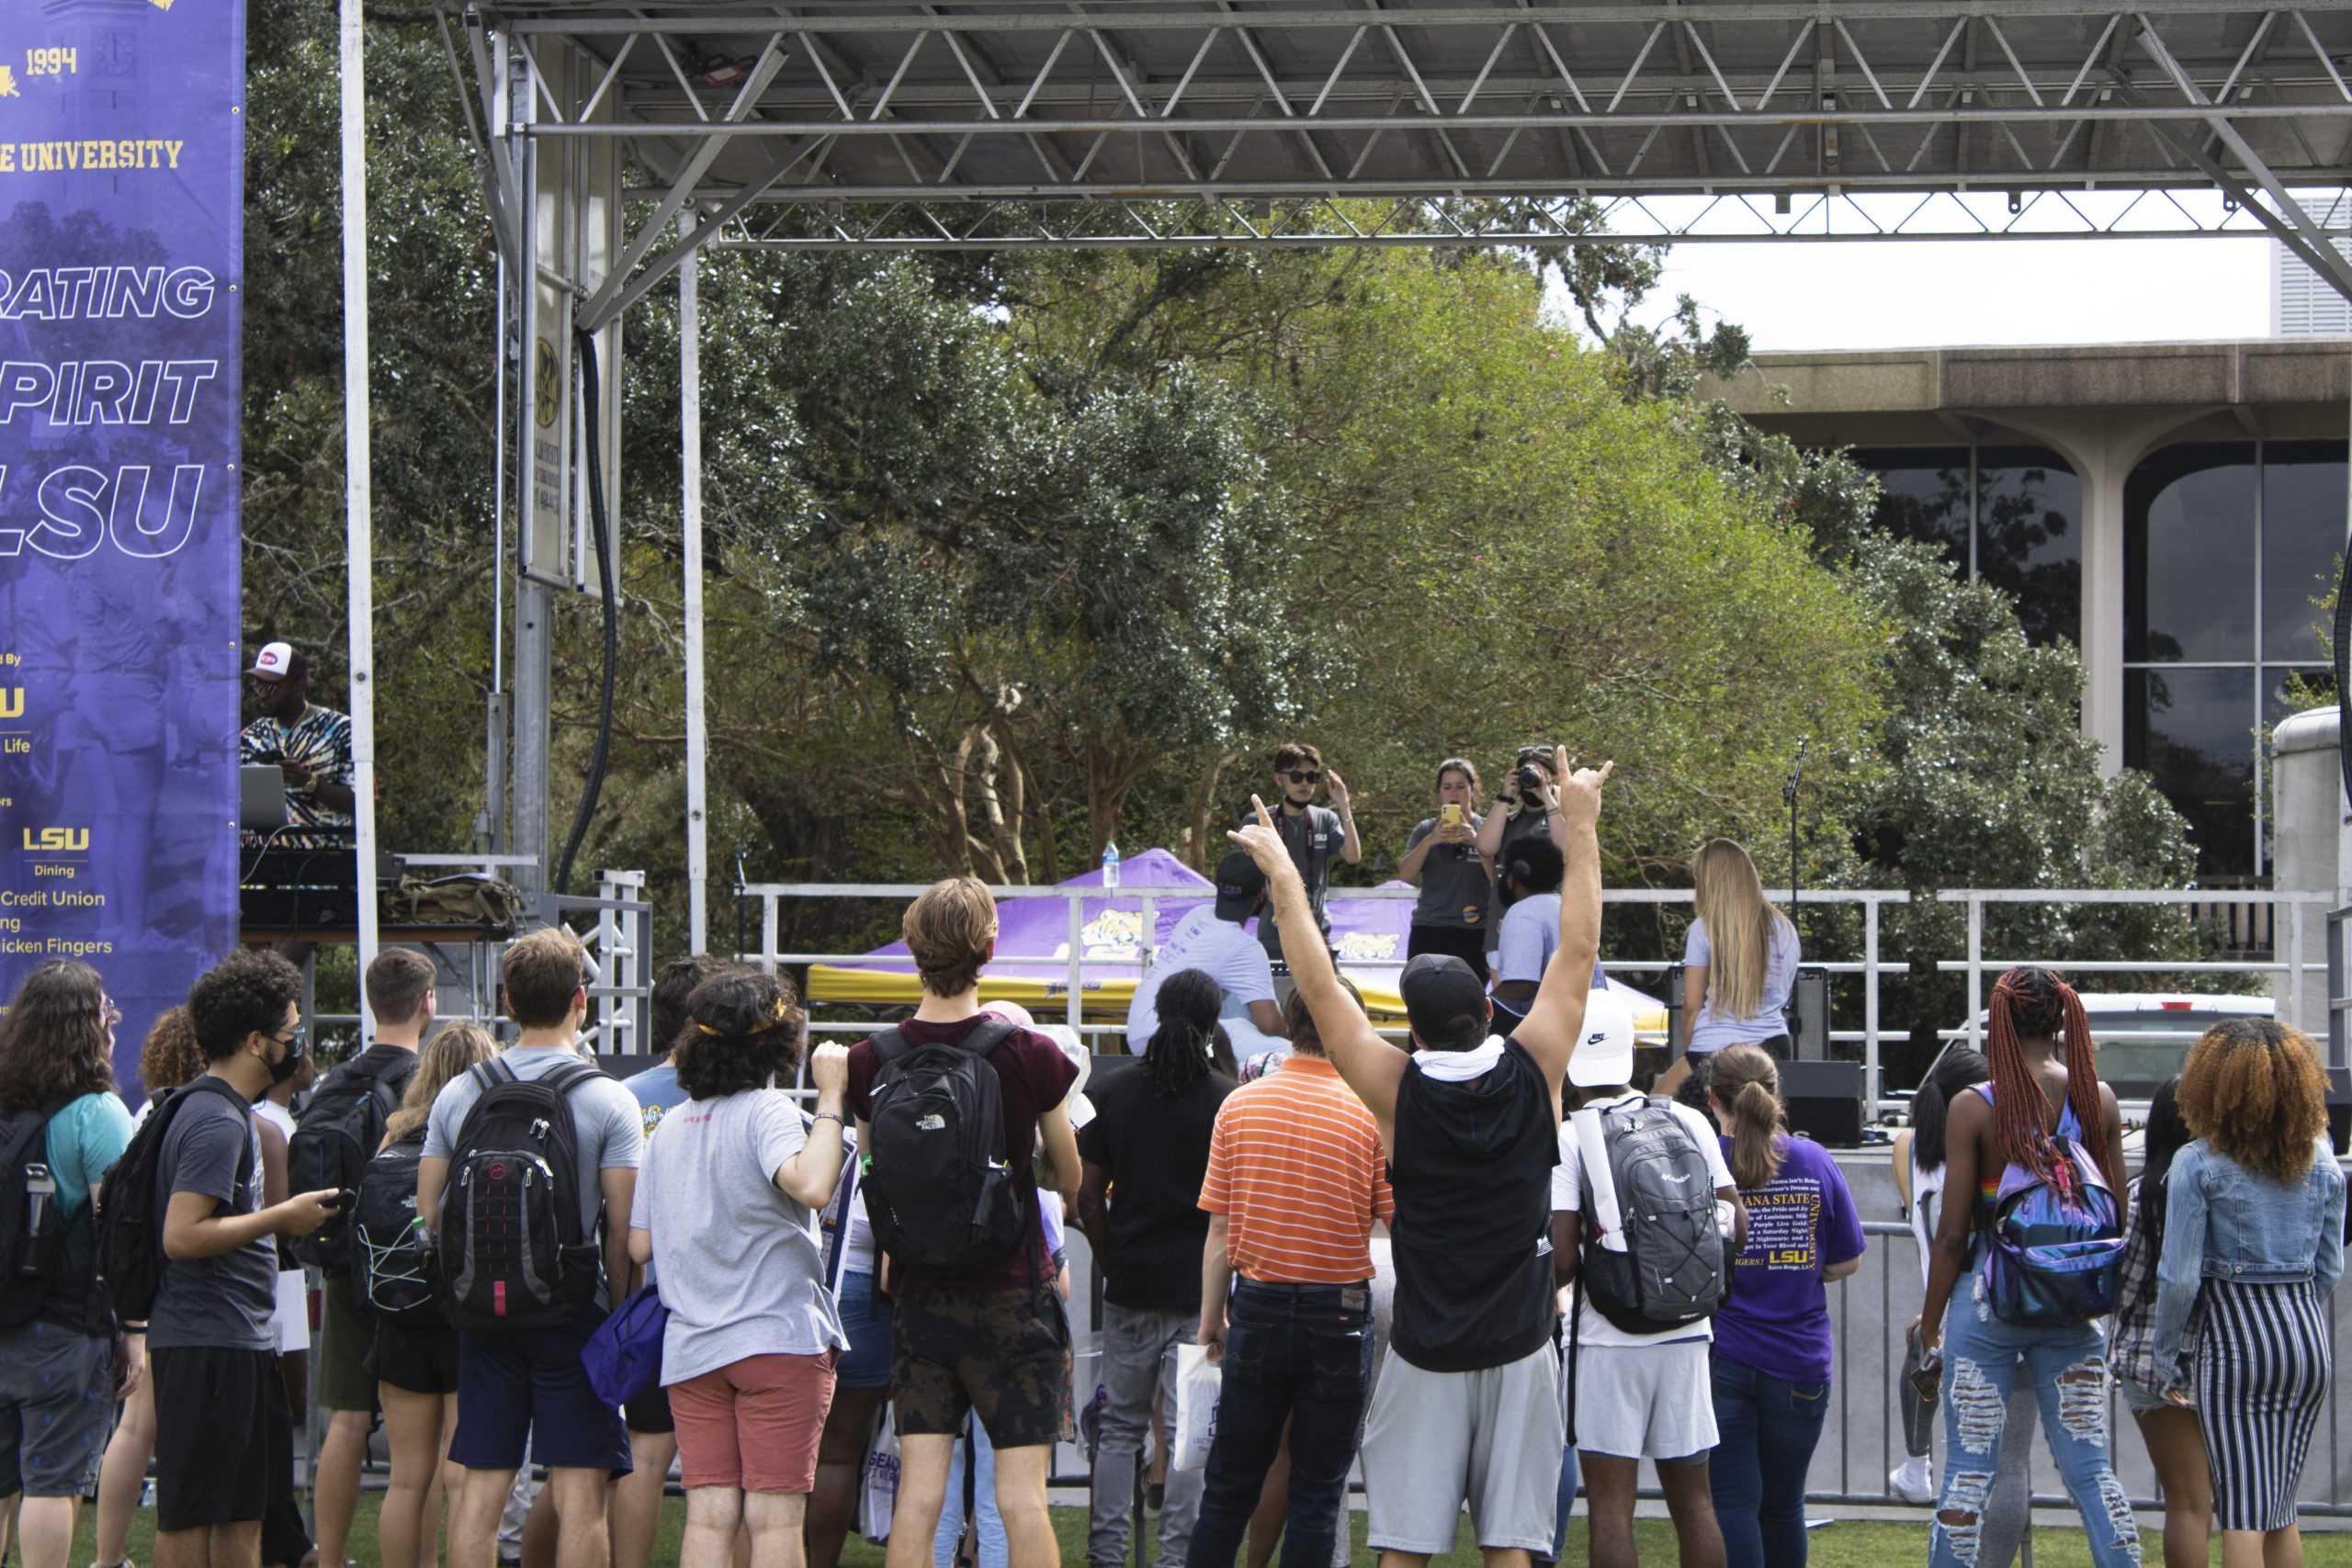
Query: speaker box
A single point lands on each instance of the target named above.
(1825, 1101)
(1808, 1014)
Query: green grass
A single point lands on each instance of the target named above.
(1848, 1543)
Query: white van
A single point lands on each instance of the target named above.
(2144, 1036)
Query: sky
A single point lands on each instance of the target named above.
(1912, 293)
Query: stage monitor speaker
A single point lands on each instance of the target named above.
(1825, 1101)
(1808, 1014)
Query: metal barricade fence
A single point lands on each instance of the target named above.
(1871, 1309)
(2302, 916)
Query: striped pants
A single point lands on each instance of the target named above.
(2262, 1375)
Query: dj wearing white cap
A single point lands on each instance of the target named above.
(310, 745)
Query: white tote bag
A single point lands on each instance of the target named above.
(879, 1496)
(1198, 1384)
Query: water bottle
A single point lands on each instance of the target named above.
(1110, 865)
(40, 1192)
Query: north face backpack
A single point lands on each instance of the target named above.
(940, 1194)
(392, 1251)
(2055, 1247)
(32, 1227)
(130, 1216)
(333, 1143)
(1672, 1273)
(513, 1254)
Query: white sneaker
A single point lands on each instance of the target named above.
(1912, 1482)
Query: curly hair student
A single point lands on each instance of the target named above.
(2253, 1243)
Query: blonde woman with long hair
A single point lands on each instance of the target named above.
(1739, 964)
(417, 1368)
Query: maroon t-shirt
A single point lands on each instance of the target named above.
(1032, 1077)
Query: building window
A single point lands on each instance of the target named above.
(2226, 546)
(2010, 515)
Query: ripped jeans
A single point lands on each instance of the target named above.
(2066, 1369)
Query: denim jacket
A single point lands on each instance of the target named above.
(2222, 1221)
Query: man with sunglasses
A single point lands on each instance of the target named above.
(1313, 833)
(222, 1422)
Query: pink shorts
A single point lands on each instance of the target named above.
(754, 1424)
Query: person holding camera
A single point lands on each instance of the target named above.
(1313, 833)
(1522, 810)
(1455, 876)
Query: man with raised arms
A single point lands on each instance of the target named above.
(1467, 1408)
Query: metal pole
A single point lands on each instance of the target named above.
(1975, 969)
(697, 734)
(494, 710)
(359, 522)
(534, 600)
(1872, 1085)
(1077, 947)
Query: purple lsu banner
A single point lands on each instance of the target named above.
(121, 260)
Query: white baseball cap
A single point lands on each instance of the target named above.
(1604, 1053)
(278, 662)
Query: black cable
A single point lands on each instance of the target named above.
(594, 785)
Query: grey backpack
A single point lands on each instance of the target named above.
(1673, 1272)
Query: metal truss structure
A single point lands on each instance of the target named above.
(621, 138)
(1094, 123)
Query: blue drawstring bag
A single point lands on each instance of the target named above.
(623, 1358)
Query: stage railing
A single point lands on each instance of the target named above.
(2301, 916)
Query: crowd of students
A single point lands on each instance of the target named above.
(1486, 1266)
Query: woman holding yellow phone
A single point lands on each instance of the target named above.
(1443, 859)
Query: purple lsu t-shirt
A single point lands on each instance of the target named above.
(1777, 1320)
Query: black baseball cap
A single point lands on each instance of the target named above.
(1239, 886)
(1439, 990)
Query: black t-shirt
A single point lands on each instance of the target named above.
(1472, 1172)
(1157, 1152)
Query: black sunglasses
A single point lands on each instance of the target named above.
(1300, 776)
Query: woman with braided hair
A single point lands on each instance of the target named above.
(2044, 1091)
(1144, 1158)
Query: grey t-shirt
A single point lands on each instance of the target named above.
(1455, 889)
(605, 1118)
(226, 1302)
(740, 1267)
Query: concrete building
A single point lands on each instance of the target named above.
(2173, 510)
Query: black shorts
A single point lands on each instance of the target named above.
(415, 1359)
(1002, 1355)
(221, 1428)
(649, 1413)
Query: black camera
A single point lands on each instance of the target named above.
(1530, 781)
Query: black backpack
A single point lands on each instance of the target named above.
(32, 1228)
(940, 1194)
(1673, 1272)
(392, 1251)
(333, 1143)
(512, 1253)
(130, 1211)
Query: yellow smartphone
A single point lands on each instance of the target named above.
(1449, 814)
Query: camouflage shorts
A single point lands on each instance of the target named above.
(1001, 1353)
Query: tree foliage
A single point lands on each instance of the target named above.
(1009, 556)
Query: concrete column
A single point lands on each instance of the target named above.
(2306, 797)
(2103, 475)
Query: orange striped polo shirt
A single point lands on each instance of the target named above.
(1295, 1167)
